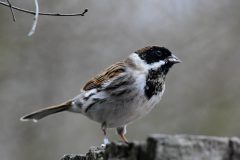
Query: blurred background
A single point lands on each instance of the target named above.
(202, 93)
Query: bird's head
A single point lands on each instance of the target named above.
(154, 58)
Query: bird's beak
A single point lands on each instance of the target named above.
(173, 59)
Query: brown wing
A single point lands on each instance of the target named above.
(106, 75)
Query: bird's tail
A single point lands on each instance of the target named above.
(35, 116)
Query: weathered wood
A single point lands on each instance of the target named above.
(167, 147)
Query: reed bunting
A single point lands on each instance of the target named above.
(122, 93)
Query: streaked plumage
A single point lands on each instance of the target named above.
(124, 92)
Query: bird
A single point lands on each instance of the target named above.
(120, 94)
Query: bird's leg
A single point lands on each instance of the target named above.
(121, 132)
(104, 128)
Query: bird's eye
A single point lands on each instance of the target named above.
(159, 52)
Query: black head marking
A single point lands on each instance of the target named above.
(156, 75)
(153, 54)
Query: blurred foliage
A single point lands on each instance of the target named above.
(202, 93)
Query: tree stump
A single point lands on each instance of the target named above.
(167, 147)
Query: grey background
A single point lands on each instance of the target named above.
(202, 93)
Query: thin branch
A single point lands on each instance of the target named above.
(11, 9)
(44, 13)
(35, 20)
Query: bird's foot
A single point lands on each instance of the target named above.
(105, 142)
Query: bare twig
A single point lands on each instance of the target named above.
(43, 13)
(10, 6)
(35, 20)
(37, 13)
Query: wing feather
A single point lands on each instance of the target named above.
(111, 72)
